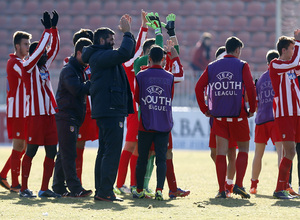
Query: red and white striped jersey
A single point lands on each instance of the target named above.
(16, 93)
(284, 80)
(174, 66)
(128, 66)
(37, 80)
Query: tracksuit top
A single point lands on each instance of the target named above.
(225, 81)
(155, 99)
(265, 95)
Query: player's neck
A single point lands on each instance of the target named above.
(18, 54)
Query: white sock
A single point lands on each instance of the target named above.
(229, 181)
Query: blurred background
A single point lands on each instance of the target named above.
(257, 23)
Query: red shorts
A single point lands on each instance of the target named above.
(16, 128)
(170, 144)
(289, 128)
(236, 129)
(132, 127)
(213, 144)
(265, 131)
(89, 130)
(41, 130)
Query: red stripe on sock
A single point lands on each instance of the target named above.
(241, 166)
(15, 164)
(171, 176)
(6, 168)
(123, 165)
(284, 169)
(26, 166)
(48, 171)
(133, 161)
(221, 167)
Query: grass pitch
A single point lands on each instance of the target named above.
(194, 171)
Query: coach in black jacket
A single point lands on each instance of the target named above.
(72, 91)
(111, 101)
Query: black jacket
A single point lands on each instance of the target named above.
(110, 90)
(72, 92)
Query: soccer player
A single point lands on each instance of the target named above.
(15, 109)
(156, 120)
(228, 78)
(129, 152)
(220, 53)
(286, 106)
(41, 106)
(88, 131)
(265, 127)
(73, 88)
(111, 101)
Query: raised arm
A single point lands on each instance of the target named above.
(54, 40)
(30, 63)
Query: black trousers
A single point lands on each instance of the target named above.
(65, 165)
(109, 151)
(145, 140)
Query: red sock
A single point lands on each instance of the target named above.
(123, 165)
(254, 183)
(171, 176)
(26, 166)
(241, 166)
(15, 167)
(284, 168)
(6, 168)
(133, 161)
(48, 171)
(79, 161)
(221, 167)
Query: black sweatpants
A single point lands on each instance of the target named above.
(65, 165)
(109, 151)
(145, 140)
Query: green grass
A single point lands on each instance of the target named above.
(194, 171)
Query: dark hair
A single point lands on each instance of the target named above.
(32, 47)
(86, 33)
(147, 44)
(19, 35)
(284, 42)
(82, 42)
(220, 50)
(232, 43)
(156, 53)
(271, 54)
(103, 33)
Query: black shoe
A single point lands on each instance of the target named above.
(110, 198)
(221, 195)
(4, 183)
(241, 191)
(82, 193)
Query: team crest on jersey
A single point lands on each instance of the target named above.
(44, 74)
(121, 124)
(291, 75)
(18, 134)
(72, 129)
(79, 135)
(88, 70)
(155, 89)
(224, 75)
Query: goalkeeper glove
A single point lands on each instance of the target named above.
(154, 22)
(170, 26)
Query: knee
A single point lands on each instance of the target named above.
(51, 151)
(169, 154)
